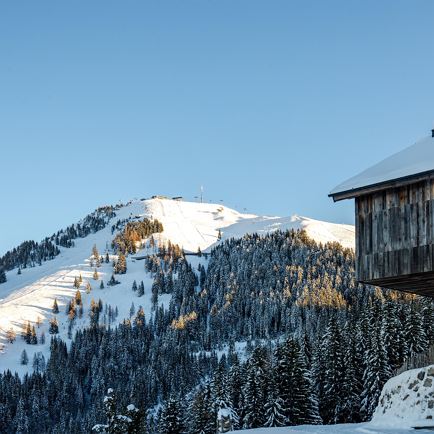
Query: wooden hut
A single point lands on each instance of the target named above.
(394, 207)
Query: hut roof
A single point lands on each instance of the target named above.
(407, 166)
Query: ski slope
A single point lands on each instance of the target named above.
(194, 225)
(30, 296)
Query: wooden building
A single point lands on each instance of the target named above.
(394, 206)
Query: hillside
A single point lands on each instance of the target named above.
(30, 295)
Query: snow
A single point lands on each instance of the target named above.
(407, 400)
(348, 428)
(193, 225)
(30, 295)
(413, 160)
(223, 413)
(320, 231)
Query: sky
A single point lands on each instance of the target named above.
(266, 104)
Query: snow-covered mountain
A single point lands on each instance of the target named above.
(30, 295)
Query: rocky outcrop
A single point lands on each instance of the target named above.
(407, 400)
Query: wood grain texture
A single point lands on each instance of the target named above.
(395, 237)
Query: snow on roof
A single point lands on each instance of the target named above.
(415, 159)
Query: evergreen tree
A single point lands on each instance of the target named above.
(255, 389)
(2, 275)
(332, 400)
(11, 335)
(54, 326)
(377, 369)
(55, 308)
(121, 264)
(171, 420)
(24, 358)
(415, 333)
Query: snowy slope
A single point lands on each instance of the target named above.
(30, 295)
(350, 428)
(194, 225)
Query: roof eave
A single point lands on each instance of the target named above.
(368, 189)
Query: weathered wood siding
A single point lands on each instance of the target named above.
(395, 237)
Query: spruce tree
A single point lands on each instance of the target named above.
(171, 421)
(55, 308)
(2, 275)
(54, 326)
(332, 399)
(24, 358)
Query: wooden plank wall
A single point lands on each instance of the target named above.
(395, 232)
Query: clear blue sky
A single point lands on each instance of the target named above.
(268, 104)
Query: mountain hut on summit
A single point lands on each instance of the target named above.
(394, 207)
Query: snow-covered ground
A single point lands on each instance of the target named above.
(30, 296)
(349, 428)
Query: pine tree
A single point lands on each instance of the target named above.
(33, 336)
(38, 362)
(141, 289)
(139, 320)
(95, 274)
(134, 287)
(95, 254)
(255, 389)
(55, 308)
(171, 421)
(2, 276)
(352, 378)
(331, 403)
(121, 264)
(54, 326)
(377, 370)
(201, 414)
(274, 413)
(22, 420)
(293, 385)
(11, 335)
(28, 333)
(24, 358)
(414, 332)
(101, 286)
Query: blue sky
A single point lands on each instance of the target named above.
(267, 104)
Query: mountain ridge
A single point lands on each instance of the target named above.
(30, 295)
